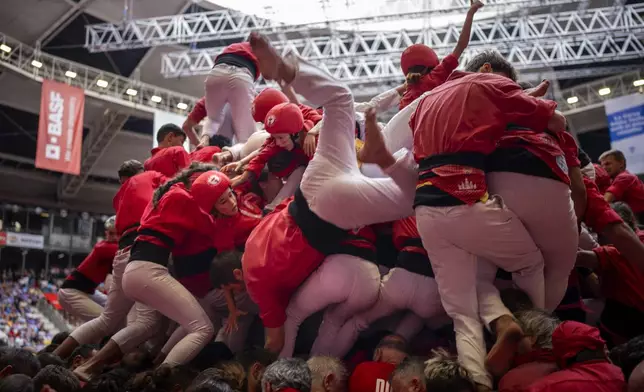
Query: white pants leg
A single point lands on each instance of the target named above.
(288, 188)
(453, 238)
(79, 304)
(228, 84)
(332, 178)
(144, 324)
(254, 142)
(151, 284)
(336, 281)
(547, 212)
(116, 309)
(491, 306)
(400, 289)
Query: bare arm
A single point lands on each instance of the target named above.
(290, 93)
(464, 38)
(609, 197)
(578, 192)
(189, 128)
(557, 122)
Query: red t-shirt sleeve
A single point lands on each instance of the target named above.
(175, 216)
(570, 149)
(439, 74)
(516, 106)
(598, 213)
(620, 185)
(268, 150)
(311, 116)
(181, 159)
(198, 113)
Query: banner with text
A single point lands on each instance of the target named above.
(626, 125)
(161, 118)
(24, 240)
(60, 128)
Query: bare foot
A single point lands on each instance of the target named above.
(374, 149)
(508, 336)
(540, 90)
(268, 58)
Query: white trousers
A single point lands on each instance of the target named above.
(399, 290)
(332, 184)
(228, 84)
(343, 285)
(454, 238)
(79, 304)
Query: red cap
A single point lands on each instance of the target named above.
(418, 54)
(367, 376)
(208, 188)
(265, 101)
(284, 118)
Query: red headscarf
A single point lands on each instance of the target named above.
(571, 337)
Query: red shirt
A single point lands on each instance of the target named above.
(404, 231)
(468, 114)
(281, 162)
(620, 279)
(628, 188)
(598, 213)
(311, 116)
(371, 377)
(168, 161)
(199, 112)
(133, 197)
(570, 148)
(428, 82)
(602, 179)
(204, 154)
(93, 270)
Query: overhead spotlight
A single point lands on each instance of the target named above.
(70, 74)
(155, 98)
(36, 63)
(102, 83)
(638, 83)
(131, 92)
(604, 91)
(182, 106)
(5, 48)
(572, 100)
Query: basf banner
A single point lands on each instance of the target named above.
(626, 125)
(162, 118)
(60, 128)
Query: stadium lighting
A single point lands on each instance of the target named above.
(604, 91)
(155, 98)
(101, 83)
(70, 74)
(572, 100)
(638, 83)
(36, 63)
(5, 48)
(182, 106)
(131, 92)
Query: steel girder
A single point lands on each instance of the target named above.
(229, 24)
(533, 41)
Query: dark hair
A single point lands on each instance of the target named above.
(182, 177)
(220, 141)
(58, 378)
(212, 354)
(167, 129)
(112, 381)
(130, 168)
(210, 385)
(49, 359)
(49, 349)
(393, 341)
(84, 350)
(415, 73)
(16, 383)
(222, 266)
(165, 378)
(230, 372)
(516, 300)
(626, 213)
(253, 355)
(21, 361)
(628, 355)
(496, 60)
(59, 338)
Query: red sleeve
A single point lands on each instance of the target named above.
(439, 74)
(606, 254)
(159, 179)
(620, 185)
(268, 150)
(181, 159)
(598, 213)
(570, 149)
(515, 105)
(198, 113)
(311, 116)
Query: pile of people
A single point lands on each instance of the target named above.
(471, 221)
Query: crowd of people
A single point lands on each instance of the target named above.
(450, 249)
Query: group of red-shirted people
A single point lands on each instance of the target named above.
(470, 223)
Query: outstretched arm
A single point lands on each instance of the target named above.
(464, 38)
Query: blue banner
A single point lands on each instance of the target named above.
(626, 124)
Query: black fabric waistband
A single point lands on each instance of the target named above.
(622, 320)
(192, 265)
(587, 355)
(321, 235)
(80, 282)
(237, 61)
(368, 254)
(169, 242)
(415, 262)
(470, 159)
(129, 235)
(147, 251)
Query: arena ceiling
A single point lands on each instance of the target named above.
(58, 28)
